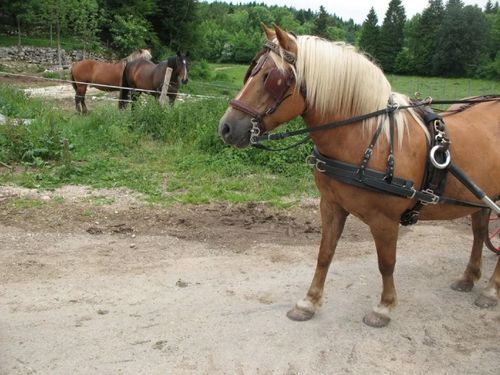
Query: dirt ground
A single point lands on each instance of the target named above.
(98, 282)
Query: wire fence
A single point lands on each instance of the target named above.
(411, 86)
(98, 85)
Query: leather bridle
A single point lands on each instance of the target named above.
(277, 83)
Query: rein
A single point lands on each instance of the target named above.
(256, 138)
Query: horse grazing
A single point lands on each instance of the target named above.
(144, 75)
(104, 76)
(358, 173)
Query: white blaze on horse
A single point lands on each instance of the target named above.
(381, 180)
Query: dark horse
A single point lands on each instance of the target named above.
(331, 83)
(143, 74)
(105, 76)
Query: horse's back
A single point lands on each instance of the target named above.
(475, 135)
(93, 71)
(140, 74)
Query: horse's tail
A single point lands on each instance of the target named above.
(124, 91)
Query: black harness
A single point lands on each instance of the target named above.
(385, 182)
(438, 161)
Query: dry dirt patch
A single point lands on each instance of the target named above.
(97, 281)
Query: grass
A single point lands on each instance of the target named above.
(170, 154)
(66, 43)
(443, 88)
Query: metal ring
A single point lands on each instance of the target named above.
(318, 163)
(435, 162)
(311, 160)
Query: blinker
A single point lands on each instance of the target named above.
(276, 83)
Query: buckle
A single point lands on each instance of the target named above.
(311, 161)
(434, 199)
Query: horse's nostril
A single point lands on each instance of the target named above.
(225, 130)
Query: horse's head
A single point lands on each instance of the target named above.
(270, 95)
(182, 64)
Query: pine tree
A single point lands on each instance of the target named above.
(425, 42)
(460, 40)
(321, 23)
(369, 36)
(392, 35)
(488, 8)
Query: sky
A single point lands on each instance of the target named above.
(355, 9)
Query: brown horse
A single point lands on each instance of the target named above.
(328, 82)
(103, 75)
(144, 75)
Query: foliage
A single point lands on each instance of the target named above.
(458, 49)
(129, 33)
(369, 35)
(455, 40)
(391, 36)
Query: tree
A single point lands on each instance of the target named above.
(129, 33)
(85, 22)
(321, 23)
(174, 21)
(20, 11)
(369, 35)
(426, 34)
(392, 35)
(488, 8)
(460, 40)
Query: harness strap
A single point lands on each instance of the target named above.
(374, 180)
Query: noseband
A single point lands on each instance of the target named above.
(276, 85)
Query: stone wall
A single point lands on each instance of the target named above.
(44, 55)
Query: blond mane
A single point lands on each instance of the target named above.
(139, 54)
(340, 80)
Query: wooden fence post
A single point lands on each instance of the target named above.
(164, 89)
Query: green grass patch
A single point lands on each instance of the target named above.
(170, 154)
(25, 203)
(443, 88)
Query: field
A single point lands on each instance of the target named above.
(136, 242)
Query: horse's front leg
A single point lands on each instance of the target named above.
(333, 219)
(385, 234)
(472, 272)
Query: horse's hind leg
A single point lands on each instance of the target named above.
(84, 106)
(472, 272)
(333, 218)
(385, 234)
(489, 296)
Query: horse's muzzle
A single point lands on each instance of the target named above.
(234, 133)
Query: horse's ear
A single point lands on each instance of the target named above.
(270, 34)
(284, 40)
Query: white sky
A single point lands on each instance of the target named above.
(357, 10)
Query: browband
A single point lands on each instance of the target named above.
(287, 56)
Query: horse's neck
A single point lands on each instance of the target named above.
(332, 143)
(171, 64)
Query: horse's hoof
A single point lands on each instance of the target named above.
(299, 315)
(485, 301)
(376, 320)
(462, 285)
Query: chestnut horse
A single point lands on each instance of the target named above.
(144, 75)
(327, 82)
(105, 76)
